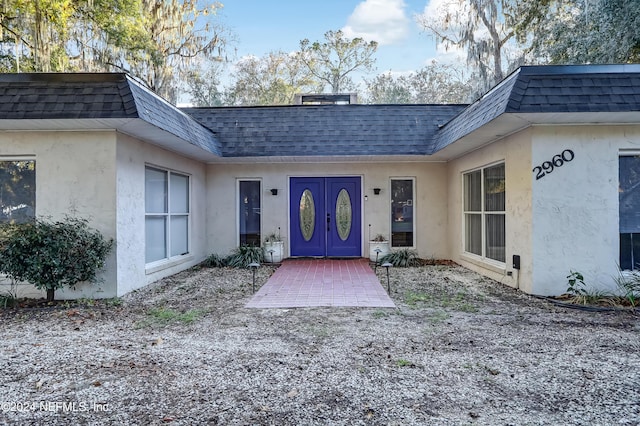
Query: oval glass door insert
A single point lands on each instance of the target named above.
(343, 214)
(307, 215)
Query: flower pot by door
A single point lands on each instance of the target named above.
(274, 251)
(383, 246)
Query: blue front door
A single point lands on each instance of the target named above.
(325, 216)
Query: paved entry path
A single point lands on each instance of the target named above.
(299, 283)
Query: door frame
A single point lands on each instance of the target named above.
(324, 175)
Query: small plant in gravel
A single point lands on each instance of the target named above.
(575, 284)
(243, 256)
(7, 300)
(113, 302)
(379, 314)
(438, 316)
(459, 302)
(412, 298)
(402, 258)
(164, 316)
(215, 261)
(404, 363)
(629, 285)
(578, 294)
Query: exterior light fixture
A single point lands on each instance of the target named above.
(376, 191)
(387, 265)
(274, 191)
(254, 266)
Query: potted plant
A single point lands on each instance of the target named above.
(273, 248)
(378, 247)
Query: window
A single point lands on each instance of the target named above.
(249, 212)
(629, 211)
(484, 218)
(17, 191)
(167, 214)
(402, 224)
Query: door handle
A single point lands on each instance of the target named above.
(328, 222)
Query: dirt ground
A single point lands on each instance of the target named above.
(459, 349)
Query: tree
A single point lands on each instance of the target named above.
(433, 84)
(160, 42)
(52, 255)
(271, 80)
(59, 35)
(181, 32)
(581, 31)
(204, 87)
(333, 61)
(479, 27)
(385, 89)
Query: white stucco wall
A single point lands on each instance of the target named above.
(100, 176)
(430, 206)
(575, 208)
(132, 157)
(75, 175)
(515, 152)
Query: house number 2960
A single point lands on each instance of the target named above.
(558, 160)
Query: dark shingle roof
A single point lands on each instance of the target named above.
(550, 89)
(61, 96)
(95, 96)
(537, 94)
(325, 130)
(160, 113)
(576, 89)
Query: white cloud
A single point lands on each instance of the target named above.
(384, 21)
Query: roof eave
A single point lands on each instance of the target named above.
(510, 123)
(135, 127)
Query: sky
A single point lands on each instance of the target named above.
(261, 26)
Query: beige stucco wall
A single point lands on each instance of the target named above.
(132, 157)
(430, 210)
(575, 208)
(515, 152)
(99, 175)
(75, 175)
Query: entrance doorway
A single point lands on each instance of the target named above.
(325, 216)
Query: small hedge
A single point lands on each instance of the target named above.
(52, 255)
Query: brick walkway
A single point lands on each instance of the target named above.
(302, 283)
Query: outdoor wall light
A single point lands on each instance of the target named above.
(274, 191)
(376, 191)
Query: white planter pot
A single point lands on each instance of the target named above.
(274, 251)
(383, 246)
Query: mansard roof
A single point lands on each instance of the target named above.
(588, 94)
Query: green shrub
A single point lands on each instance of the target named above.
(242, 257)
(215, 261)
(402, 257)
(52, 255)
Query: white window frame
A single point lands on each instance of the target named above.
(414, 210)
(483, 215)
(237, 208)
(168, 259)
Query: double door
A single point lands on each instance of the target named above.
(325, 216)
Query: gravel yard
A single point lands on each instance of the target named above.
(459, 349)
